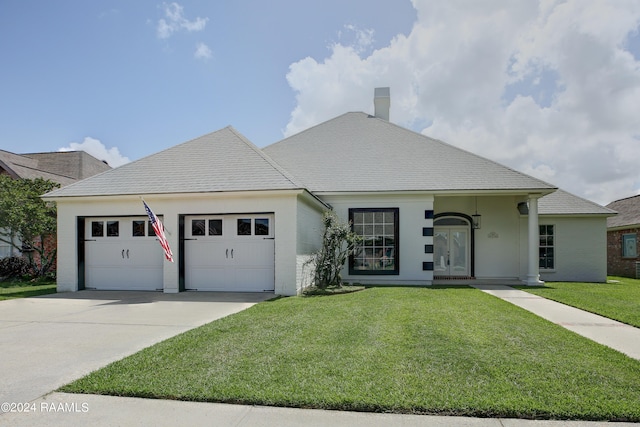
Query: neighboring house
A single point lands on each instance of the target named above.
(623, 238)
(63, 168)
(239, 218)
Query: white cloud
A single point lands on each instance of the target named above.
(202, 51)
(545, 87)
(175, 21)
(363, 38)
(98, 150)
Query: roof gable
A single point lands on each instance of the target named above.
(358, 152)
(220, 161)
(628, 212)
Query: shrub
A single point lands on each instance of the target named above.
(338, 242)
(13, 267)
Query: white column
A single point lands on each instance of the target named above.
(533, 276)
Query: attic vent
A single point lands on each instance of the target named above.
(382, 102)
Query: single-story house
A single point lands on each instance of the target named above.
(241, 218)
(62, 167)
(623, 238)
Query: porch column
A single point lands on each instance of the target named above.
(533, 276)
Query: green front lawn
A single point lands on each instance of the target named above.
(422, 350)
(619, 301)
(22, 289)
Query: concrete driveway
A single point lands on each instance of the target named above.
(48, 341)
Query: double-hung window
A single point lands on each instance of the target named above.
(378, 250)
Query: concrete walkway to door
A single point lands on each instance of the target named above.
(49, 341)
(619, 336)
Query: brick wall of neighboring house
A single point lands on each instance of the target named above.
(50, 245)
(616, 264)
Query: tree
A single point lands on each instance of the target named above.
(27, 222)
(338, 242)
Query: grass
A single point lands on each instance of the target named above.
(11, 289)
(453, 351)
(618, 300)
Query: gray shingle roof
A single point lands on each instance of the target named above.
(219, 161)
(75, 164)
(628, 212)
(30, 166)
(565, 203)
(358, 152)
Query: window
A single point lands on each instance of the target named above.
(150, 231)
(629, 246)
(97, 229)
(197, 227)
(215, 227)
(261, 227)
(244, 226)
(138, 229)
(378, 252)
(113, 228)
(547, 258)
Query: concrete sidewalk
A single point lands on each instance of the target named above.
(619, 336)
(102, 411)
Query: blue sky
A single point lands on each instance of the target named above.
(550, 88)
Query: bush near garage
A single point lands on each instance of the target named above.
(13, 267)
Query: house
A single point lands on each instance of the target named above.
(244, 219)
(623, 238)
(63, 168)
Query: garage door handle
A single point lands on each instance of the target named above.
(227, 253)
(123, 254)
(231, 253)
(127, 253)
(268, 238)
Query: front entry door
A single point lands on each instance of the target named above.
(451, 251)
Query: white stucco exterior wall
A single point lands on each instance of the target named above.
(309, 239)
(411, 222)
(580, 247)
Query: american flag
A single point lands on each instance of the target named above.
(159, 229)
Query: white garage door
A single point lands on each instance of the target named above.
(122, 254)
(229, 253)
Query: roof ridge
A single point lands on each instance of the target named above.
(267, 158)
(313, 127)
(623, 199)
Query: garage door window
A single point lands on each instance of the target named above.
(113, 228)
(204, 227)
(262, 226)
(244, 226)
(197, 227)
(138, 228)
(215, 227)
(97, 229)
